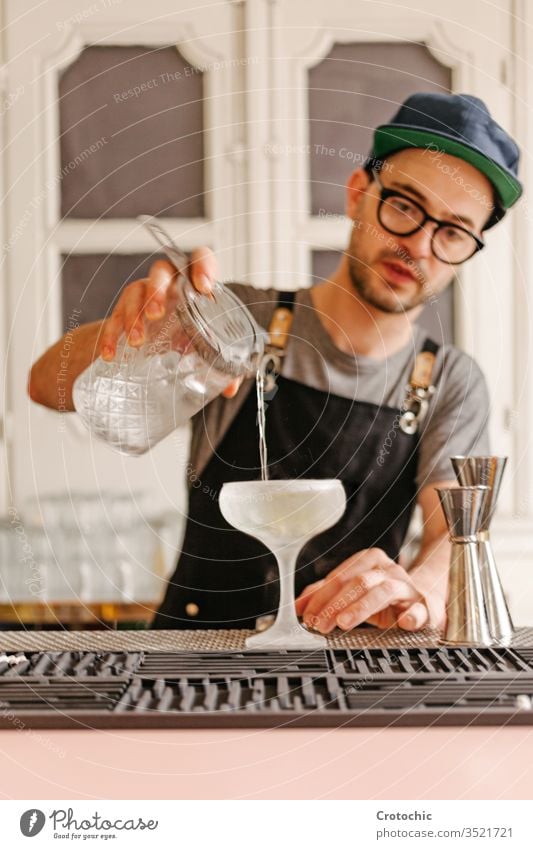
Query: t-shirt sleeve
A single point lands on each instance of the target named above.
(457, 421)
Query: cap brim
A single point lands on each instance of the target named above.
(391, 138)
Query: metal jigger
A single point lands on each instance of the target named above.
(488, 471)
(464, 508)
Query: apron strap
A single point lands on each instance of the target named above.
(281, 322)
(419, 389)
(423, 367)
(278, 332)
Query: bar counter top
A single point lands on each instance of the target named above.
(486, 762)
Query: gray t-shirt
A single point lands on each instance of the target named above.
(458, 413)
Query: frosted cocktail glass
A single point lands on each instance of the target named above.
(284, 515)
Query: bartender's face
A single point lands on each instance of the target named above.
(396, 273)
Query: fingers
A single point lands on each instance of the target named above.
(305, 596)
(367, 587)
(147, 299)
(132, 308)
(112, 330)
(139, 300)
(370, 559)
(326, 618)
(203, 272)
(318, 599)
(415, 617)
(161, 276)
(389, 592)
(328, 588)
(362, 561)
(203, 269)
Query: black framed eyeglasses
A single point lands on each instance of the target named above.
(402, 216)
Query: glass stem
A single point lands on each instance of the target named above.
(286, 620)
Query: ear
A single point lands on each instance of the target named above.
(356, 187)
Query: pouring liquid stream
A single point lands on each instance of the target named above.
(261, 418)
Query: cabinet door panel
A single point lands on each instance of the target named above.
(355, 88)
(85, 152)
(91, 283)
(143, 106)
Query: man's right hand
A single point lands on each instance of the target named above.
(145, 300)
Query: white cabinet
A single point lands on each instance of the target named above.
(80, 163)
(282, 83)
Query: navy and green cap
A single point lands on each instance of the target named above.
(462, 126)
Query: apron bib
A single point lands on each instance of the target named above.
(226, 579)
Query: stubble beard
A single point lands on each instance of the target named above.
(374, 290)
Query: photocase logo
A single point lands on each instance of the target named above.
(32, 822)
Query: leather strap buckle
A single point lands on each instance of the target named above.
(419, 390)
(278, 332)
(415, 408)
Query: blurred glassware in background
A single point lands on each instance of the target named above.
(25, 578)
(85, 547)
(5, 558)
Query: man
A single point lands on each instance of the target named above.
(362, 396)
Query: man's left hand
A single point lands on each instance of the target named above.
(368, 587)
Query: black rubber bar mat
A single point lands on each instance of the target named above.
(334, 687)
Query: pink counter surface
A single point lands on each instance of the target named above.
(350, 763)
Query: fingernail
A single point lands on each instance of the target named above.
(154, 311)
(107, 352)
(203, 282)
(345, 620)
(135, 336)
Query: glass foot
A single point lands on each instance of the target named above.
(293, 639)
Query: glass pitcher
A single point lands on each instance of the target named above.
(190, 355)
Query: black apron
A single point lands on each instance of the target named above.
(226, 579)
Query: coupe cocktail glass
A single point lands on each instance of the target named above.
(284, 515)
